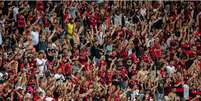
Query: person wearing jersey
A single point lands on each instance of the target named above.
(70, 29)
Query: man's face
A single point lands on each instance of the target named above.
(41, 55)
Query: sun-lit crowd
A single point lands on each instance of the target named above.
(100, 50)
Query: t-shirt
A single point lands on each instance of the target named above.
(117, 20)
(39, 6)
(134, 94)
(100, 38)
(67, 68)
(108, 48)
(49, 99)
(35, 37)
(70, 28)
(197, 33)
(15, 12)
(59, 77)
(1, 40)
(186, 91)
(66, 17)
(157, 53)
(20, 21)
(95, 52)
(170, 69)
(73, 11)
(41, 63)
(199, 64)
(107, 21)
(146, 58)
(143, 11)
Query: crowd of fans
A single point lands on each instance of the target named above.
(100, 51)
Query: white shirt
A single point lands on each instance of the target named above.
(143, 11)
(54, 46)
(129, 52)
(1, 75)
(100, 38)
(35, 37)
(41, 63)
(149, 42)
(168, 41)
(186, 91)
(134, 94)
(117, 19)
(49, 99)
(15, 12)
(59, 76)
(1, 40)
(104, 27)
(170, 69)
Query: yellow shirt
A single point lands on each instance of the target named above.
(70, 28)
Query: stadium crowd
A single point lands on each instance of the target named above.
(100, 50)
